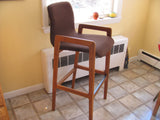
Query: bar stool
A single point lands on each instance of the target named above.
(64, 37)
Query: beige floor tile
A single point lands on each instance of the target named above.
(146, 67)
(128, 116)
(151, 104)
(77, 97)
(155, 117)
(137, 63)
(19, 101)
(130, 97)
(101, 114)
(129, 86)
(130, 102)
(24, 112)
(139, 71)
(86, 87)
(99, 77)
(116, 109)
(58, 91)
(70, 111)
(130, 74)
(81, 117)
(33, 118)
(111, 83)
(84, 105)
(156, 72)
(131, 65)
(141, 82)
(53, 115)
(143, 112)
(84, 81)
(100, 98)
(63, 99)
(152, 89)
(143, 96)
(37, 95)
(43, 106)
(69, 84)
(118, 78)
(97, 83)
(157, 83)
(151, 77)
(117, 92)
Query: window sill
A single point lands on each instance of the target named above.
(103, 21)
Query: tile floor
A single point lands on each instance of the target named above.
(130, 97)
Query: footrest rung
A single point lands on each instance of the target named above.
(99, 86)
(86, 68)
(66, 76)
(77, 92)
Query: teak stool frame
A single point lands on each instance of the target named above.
(91, 69)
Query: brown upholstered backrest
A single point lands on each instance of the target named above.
(61, 19)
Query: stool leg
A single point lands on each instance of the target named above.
(107, 74)
(55, 72)
(91, 103)
(91, 80)
(157, 105)
(75, 68)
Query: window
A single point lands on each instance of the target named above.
(84, 9)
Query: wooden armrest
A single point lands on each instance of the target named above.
(106, 29)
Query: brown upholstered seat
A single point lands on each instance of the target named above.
(103, 44)
(63, 24)
(64, 37)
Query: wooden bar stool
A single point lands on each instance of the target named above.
(64, 37)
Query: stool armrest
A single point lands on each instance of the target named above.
(93, 27)
(74, 40)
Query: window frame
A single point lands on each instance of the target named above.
(104, 21)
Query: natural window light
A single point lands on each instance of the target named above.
(84, 11)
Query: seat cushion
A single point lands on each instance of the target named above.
(104, 44)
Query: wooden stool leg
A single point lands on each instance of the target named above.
(55, 72)
(107, 74)
(91, 80)
(157, 105)
(91, 103)
(75, 68)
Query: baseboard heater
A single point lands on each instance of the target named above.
(66, 61)
(149, 58)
